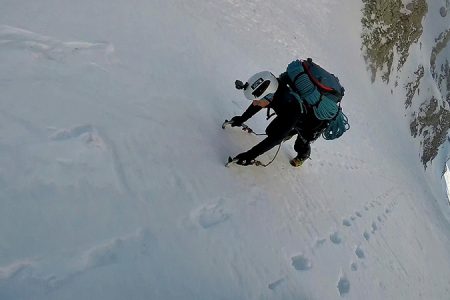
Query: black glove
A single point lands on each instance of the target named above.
(237, 121)
(244, 159)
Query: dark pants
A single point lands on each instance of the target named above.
(287, 127)
(303, 147)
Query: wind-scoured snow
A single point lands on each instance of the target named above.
(112, 155)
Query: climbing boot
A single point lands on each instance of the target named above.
(297, 161)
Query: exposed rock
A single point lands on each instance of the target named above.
(432, 123)
(413, 86)
(441, 74)
(389, 27)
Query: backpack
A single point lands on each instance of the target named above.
(322, 91)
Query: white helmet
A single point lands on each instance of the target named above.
(260, 85)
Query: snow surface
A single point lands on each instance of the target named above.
(112, 160)
(447, 181)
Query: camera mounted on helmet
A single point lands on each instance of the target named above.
(240, 85)
(258, 86)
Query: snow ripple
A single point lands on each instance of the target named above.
(50, 48)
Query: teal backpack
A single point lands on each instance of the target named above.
(322, 91)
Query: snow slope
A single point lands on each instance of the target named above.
(111, 165)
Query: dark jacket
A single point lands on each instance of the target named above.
(290, 115)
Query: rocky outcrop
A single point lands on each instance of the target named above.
(441, 74)
(434, 114)
(432, 123)
(390, 28)
(413, 87)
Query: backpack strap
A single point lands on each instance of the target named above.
(269, 115)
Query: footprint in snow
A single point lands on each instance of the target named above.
(86, 133)
(360, 253)
(374, 227)
(335, 238)
(121, 248)
(346, 222)
(320, 243)
(366, 235)
(301, 263)
(70, 133)
(343, 286)
(211, 214)
(276, 284)
(358, 214)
